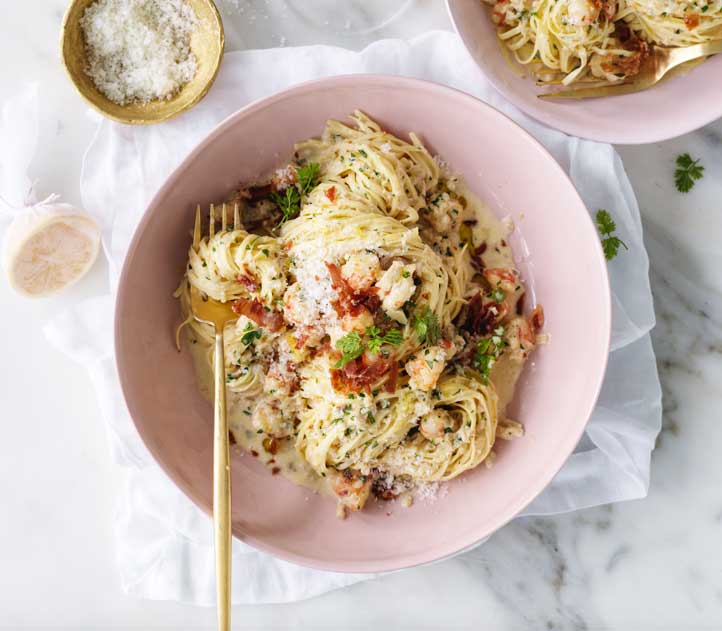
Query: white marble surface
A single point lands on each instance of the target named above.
(650, 564)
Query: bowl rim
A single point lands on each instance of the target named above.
(644, 136)
(133, 120)
(564, 448)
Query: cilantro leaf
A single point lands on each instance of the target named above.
(427, 327)
(351, 347)
(307, 177)
(687, 172)
(610, 242)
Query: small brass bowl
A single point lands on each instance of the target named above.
(207, 44)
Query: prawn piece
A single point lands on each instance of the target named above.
(270, 417)
(504, 279)
(436, 424)
(522, 334)
(297, 309)
(361, 270)
(351, 489)
(426, 368)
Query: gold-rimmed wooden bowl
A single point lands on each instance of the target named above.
(207, 43)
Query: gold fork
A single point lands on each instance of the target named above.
(659, 62)
(218, 315)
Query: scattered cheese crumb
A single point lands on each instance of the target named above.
(139, 50)
(430, 491)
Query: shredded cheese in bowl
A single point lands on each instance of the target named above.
(139, 50)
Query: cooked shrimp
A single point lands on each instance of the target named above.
(298, 310)
(361, 270)
(396, 286)
(435, 424)
(269, 416)
(521, 338)
(351, 489)
(426, 369)
(504, 279)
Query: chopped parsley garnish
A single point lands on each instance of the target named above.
(250, 335)
(394, 337)
(687, 172)
(290, 200)
(427, 327)
(488, 350)
(606, 226)
(497, 295)
(351, 347)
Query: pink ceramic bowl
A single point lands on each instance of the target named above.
(675, 107)
(559, 255)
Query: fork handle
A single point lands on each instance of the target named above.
(221, 490)
(689, 53)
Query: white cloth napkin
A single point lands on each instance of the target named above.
(164, 541)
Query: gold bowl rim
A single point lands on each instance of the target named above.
(134, 119)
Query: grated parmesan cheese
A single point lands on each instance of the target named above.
(139, 50)
(430, 491)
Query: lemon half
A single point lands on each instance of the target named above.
(50, 249)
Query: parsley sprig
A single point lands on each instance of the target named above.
(606, 226)
(307, 177)
(488, 350)
(687, 172)
(394, 337)
(427, 327)
(290, 200)
(353, 345)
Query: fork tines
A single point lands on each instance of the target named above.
(197, 229)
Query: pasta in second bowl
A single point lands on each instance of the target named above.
(514, 41)
(557, 254)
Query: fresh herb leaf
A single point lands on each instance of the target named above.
(687, 172)
(289, 202)
(394, 337)
(307, 177)
(351, 347)
(488, 350)
(250, 335)
(427, 327)
(606, 226)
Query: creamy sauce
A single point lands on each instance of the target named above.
(286, 461)
(495, 234)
